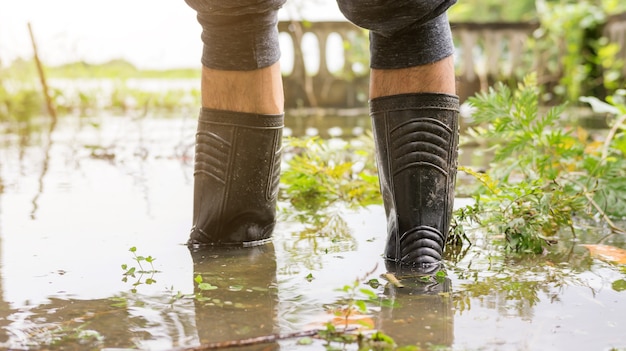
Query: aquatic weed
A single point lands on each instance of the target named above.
(133, 271)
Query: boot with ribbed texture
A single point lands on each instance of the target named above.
(236, 177)
(416, 139)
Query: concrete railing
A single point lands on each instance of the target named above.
(344, 87)
(485, 52)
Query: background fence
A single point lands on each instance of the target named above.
(335, 74)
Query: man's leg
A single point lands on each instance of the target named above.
(238, 140)
(255, 91)
(415, 121)
(437, 77)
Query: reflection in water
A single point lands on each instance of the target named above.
(421, 311)
(125, 321)
(44, 167)
(236, 297)
(321, 234)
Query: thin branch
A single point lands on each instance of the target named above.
(611, 135)
(255, 340)
(614, 228)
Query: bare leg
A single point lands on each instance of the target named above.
(256, 91)
(437, 77)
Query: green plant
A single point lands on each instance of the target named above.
(139, 271)
(319, 174)
(544, 175)
(203, 286)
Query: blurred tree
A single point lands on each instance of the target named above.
(520, 10)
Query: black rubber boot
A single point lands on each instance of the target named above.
(416, 139)
(236, 177)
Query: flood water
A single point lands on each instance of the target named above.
(74, 201)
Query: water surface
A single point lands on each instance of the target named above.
(75, 200)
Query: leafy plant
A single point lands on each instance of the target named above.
(139, 271)
(203, 285)
(543, 174)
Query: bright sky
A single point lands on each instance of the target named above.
(149, 33)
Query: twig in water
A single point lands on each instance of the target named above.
(256, 340)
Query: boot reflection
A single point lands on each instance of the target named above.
(236, 298)
(422, 311)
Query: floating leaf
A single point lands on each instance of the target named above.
(206, 286)
(619, 285)
(305, 341)
(607, 253)
(235, 288)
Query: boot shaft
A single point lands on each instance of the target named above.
(416, 138)
(236, 177)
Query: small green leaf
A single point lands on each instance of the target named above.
(132, 249)
(206, 286)
(124, 266)
(198, 279)
(309, 277)
(305, 341)
(361, 305)
(374, 283)
(369, 293)
(619, 285)
(425, 278)
(380, 336)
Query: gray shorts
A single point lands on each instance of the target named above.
(242, 34)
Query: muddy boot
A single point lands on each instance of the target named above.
(416, 139)
(236, 176)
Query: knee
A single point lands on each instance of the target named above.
(236, 15)
(238, 34)
(234, 7)
(357, 13)
(390, 16)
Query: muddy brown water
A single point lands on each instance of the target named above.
(72, 203)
